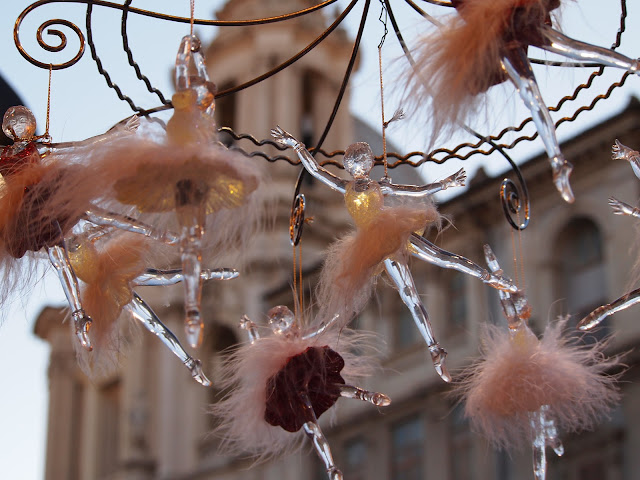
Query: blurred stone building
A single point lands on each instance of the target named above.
(149, 421)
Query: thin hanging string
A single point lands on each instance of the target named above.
(515, 257)
(46, 130)
(518, 257)
(192, 13)
(522, 279)
(384, 124)
(298, 294)
(295, 283)
(300, 287)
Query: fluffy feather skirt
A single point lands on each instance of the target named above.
(518, 374)
(241, 413)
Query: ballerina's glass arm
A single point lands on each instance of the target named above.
(457, 179)
(320, 444)
(401, 276)
(425, 250)
(515, 306)
(81, 321)
(602, 312)
(622, 152)
(577, 50)
(323, 326)
(621, 208)
(546, 434)
(153, 277)
(103, 217)
(310, 164)
(251, 328)
(144, 314)
(375, 398)
(521, 74)
(128, 125)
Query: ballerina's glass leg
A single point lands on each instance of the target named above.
(545, 433)
(602, 312)
(81, 321)
(320, 444)
(521, 74)
(143, 313)
(376, 398)
(401, 276)
(577, 50)
(106, 218)
(425, 250)
(190, 209)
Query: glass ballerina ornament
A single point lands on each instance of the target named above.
(184, 180)
(487, 44)
(386, 216)
(111, 264)
(619, 152)
(281, 384)
(28, 221)
(523, 390)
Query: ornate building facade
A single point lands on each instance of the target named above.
(149, 420)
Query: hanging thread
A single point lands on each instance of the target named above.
(46, 136)
(192, 15)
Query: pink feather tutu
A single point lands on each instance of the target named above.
(518, 374)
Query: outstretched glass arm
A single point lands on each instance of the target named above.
(602, 312)
(458, 179)
(425, 250)
(103, 217)
(321, 328)
(143, 313)
(401, 276)
(153, 277)
(519, 70)
(621, 208)
(309, 163)
(128, 125)
(320, 444)
(375, 398)
(545, 434)
(577, 50)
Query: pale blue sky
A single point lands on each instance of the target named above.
(82, 106)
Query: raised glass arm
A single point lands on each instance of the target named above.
(375, 398)
(526, 85)
(457, 179)
(581, 51)
(515, 306)
(128, 125)
(602, 312)
(425, 250)
(153, 277)
(309, 163)
(251, 329)
(622, 152)
(145, 315)
(401, 276)
(103, 217)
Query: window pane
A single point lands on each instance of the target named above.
(407, 440)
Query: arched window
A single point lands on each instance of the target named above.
(581, 279)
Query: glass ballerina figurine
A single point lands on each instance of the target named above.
(386, 216)
(486, 45)
(523, 390)
(282, 383)
(27, 222)
(619, 152)
(111, 264)
(184, 180)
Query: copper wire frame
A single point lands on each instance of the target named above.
(485, 144)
